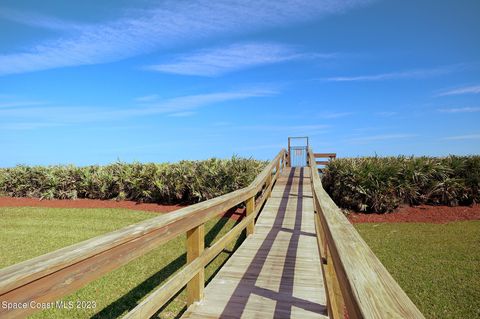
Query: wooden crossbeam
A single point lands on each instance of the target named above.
(325, 155)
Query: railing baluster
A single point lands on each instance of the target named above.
(195, 246)
(250, 209)
(268, 185)
(336, 303)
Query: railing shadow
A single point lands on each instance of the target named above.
(213, 233)
(284, 297)
(130, 300)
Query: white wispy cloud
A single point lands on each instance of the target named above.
(38, 20)
(460, 110)
(147, 98)
(182, 114)
(167, 25)
(221, 60)
(15, 104)
(381, 137)
(22, 126)
(409, 74)
(335, 115)
(463, 137)
(474, 89)
(187, 103)
(177, 106)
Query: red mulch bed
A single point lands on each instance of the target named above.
(85, 203)
(420, 214)
(234, 214)
(405, 214)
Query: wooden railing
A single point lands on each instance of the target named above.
(324, 156)
(51, 276)
(355, 280)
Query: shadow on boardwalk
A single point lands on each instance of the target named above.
(130, 300)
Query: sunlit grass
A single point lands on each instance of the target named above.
(438, 265)
(28, 232)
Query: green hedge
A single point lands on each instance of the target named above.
(381, 184)
(182, 182)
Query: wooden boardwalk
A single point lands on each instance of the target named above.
(276, 272)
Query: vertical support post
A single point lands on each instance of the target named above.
(250, 207)
(289, 164)
(308, 149)
(335, 301)
(269, 184)
(195, 246)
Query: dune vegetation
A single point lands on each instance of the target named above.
(381, 184)
(182, 182)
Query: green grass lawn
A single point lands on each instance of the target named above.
(438, 265)
(28, 232)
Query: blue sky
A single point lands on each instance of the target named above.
(92, 82)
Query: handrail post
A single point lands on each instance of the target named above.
(195, 246)
(250, 209)
(335, 299)
(289, 157)
(268, 184)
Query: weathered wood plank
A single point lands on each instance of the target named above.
(323, 155)
(250, 208)
(195, 247)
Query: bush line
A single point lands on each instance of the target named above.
(373, 184)
(182, 182)
(381, 184)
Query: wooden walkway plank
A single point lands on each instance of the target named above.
(276, 272)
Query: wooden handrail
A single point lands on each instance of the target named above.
(159, 297)
(355, 278)
(321, 155)
(56, 274)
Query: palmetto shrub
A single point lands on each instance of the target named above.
(381, 184)
(182, 182)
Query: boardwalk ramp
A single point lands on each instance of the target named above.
(276, 272)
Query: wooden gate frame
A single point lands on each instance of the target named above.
(289, 155)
